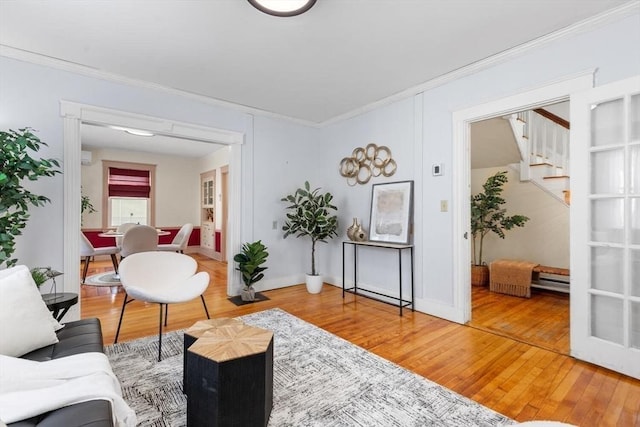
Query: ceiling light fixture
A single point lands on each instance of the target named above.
(283, 7)
(130, 131)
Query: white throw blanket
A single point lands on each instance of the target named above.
(29, 388)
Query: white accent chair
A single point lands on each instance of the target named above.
(139, 238)
(87, 251)
(122, 228)
(162, 278)
(180, 241)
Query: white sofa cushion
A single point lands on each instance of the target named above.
(25, 322)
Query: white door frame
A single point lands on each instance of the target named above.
(549, 93)
(74, 114)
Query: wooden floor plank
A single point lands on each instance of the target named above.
(522, 381)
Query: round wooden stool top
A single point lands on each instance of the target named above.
(232, 341)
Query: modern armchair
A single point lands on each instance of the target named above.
(162, 278)
(180, 241)
(122, 228)
(139, 238)
(87, 251)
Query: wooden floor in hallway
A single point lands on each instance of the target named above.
(542, 320)
(525, 382)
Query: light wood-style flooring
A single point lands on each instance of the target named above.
(522, 381)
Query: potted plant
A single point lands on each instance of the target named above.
(488, 215)
(16, 165)
(309, 214)
(249, 261)
(85, 206)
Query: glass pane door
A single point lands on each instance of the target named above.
(605, 226)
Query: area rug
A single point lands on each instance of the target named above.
(319, 380)
(102, 279)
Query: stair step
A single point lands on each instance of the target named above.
(541, 164)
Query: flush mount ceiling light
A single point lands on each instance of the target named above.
(132, 131)
(283, 7)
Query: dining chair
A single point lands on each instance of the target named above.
(122, 228)
(180, 241)
(161, 278)
(139, 238)
(87, 251)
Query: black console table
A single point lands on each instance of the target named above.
(401, 303)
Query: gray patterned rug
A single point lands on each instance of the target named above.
(319, 380)
(103, 279)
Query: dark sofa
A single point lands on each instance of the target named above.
(81, 336)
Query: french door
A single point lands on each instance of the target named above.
(605, 226)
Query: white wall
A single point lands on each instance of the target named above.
(392, 126)
(545, 237)
(177, 186)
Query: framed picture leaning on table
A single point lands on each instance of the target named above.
(391, 212)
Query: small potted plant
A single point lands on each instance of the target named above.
(249, 261)
(488, 215)
(310, 214)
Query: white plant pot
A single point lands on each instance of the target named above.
(314, 283)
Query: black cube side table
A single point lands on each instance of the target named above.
(59, 304)
(230, 377)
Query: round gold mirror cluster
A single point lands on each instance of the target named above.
(367, 162)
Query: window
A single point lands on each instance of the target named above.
(129, 193)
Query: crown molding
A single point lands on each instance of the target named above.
(72, 67)
(604, 18)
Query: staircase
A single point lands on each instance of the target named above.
(543, 142)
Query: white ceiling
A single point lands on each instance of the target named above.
(332, 61)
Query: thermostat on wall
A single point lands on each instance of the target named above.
(436, 169)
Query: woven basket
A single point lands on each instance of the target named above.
(479, 275)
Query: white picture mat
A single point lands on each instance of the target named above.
(391, 212)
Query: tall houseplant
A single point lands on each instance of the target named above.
(310, 214)
(249, 261)
(16, 165)
(488, 215)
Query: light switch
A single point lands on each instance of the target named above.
(274, 226)
(444, 205)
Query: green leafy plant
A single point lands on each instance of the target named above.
(310, 215)
(16, 165)
(41, 274)
(488, 214)
(249, 261)
(85, 206)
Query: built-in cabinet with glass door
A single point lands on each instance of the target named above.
(207, 220)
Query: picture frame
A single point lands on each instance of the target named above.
(391, 218)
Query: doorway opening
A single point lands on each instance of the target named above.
(463, 121)
(531, 148)
(76, 115)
